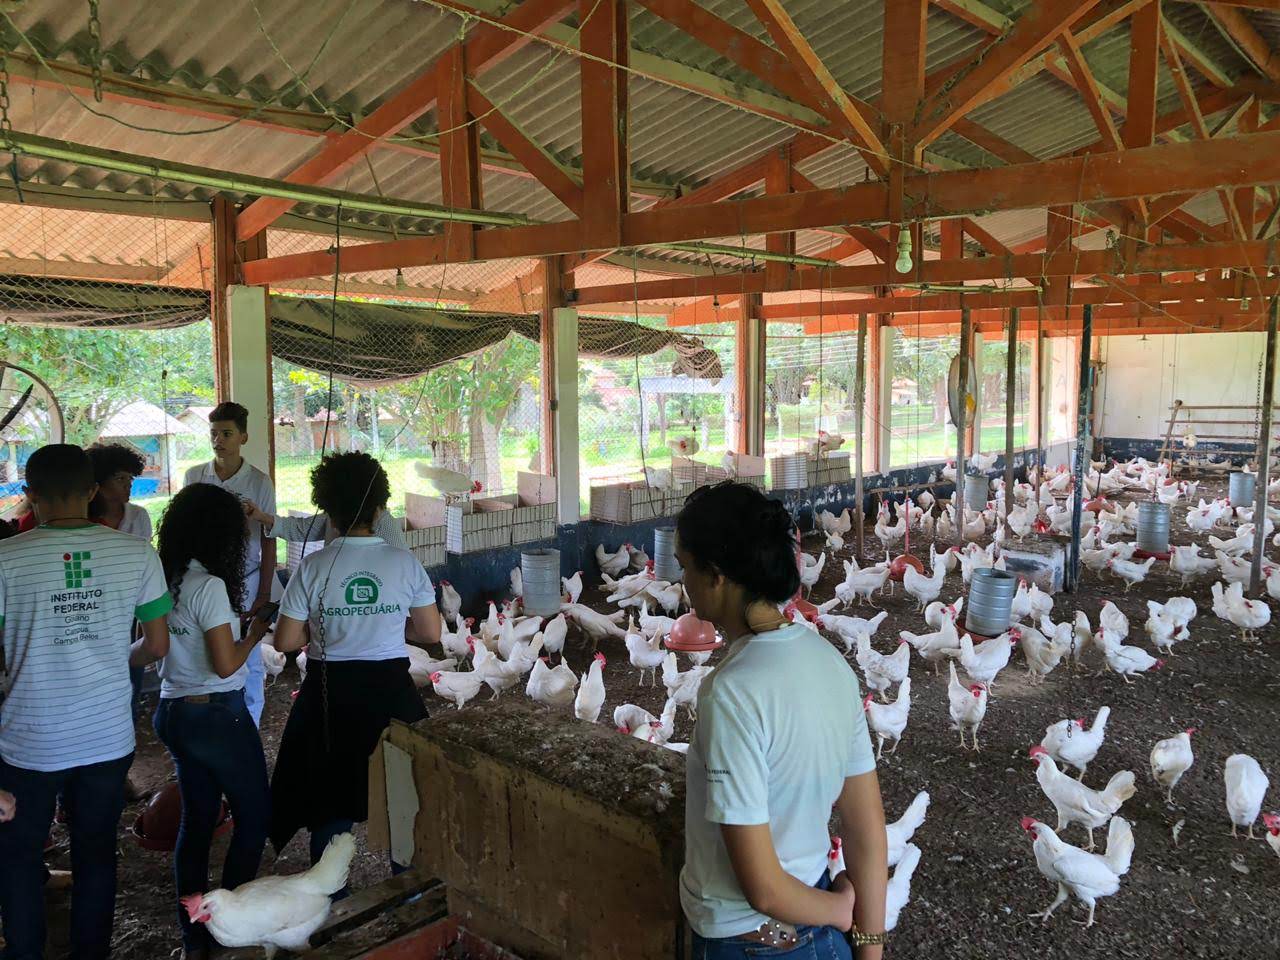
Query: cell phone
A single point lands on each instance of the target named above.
(268, 612)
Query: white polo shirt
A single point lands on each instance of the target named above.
(68, 597)
(780, 726)
(136, 522)
(247, 483)
(366, 590)
(202, 604)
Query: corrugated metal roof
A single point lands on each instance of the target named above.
(346, 56)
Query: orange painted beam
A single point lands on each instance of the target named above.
(1087, 85)
(460, 184)
(1250, 41)
(843, 111)
(1042, 21)
(487, 46)
(1144, 58)
(606, 168)
(902, 60)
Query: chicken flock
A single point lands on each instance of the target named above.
(508, 650)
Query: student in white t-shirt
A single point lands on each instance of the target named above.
(228, 432)
(69, 591)
(314, 527)
(202, 718)
(780, 740)
(351, 600)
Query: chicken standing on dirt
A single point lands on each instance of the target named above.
(1246, 789)
(889, 720)
(590, 698)
(1170, 759)
(1086, 876)
(1068, 742)
(1076, 803)
(967, 705)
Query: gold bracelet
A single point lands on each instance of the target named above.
(859, 939)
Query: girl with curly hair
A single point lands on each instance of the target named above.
(115, 467)
(202, 718)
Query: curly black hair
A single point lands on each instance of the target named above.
(206, 523)
(750, 539)
(109, 459)
(350, 488)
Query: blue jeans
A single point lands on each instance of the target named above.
(812, 943)
(217, 752)
(93, 797)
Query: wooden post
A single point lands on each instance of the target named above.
(1084, 394)
(224, 270)
(1011, 372)
(860, 392)
(749, 376)
(552, 299)
(1037, 395)
(1168, 434)
(1264, 448)
(966, 327)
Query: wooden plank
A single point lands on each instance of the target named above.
(902, 60)
(1250, 41)
(976, 14)
(1042, 21)
(843, 111)
(1088, 89)
(460, 184)
(1144, 47)
(605, 159)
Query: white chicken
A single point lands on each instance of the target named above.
(498, 674)
(450, 602)
(850, 629)
(450, 484)
(985, 661)
(1113, 620)
(968, 706)
(1231, 605)
(898, 893)
(628, 716)
(1170, 759)
(899, 833)
(889, 534)
(682, 688)
(1043, 654)
(935, 647)
(646, 653)
(811, 571)
(657, 729)
(1031, 603)
(554, 632)
(861, 584)
(1126, 660)
(1167, 623)
(883, 671)
(936, 611)
(272, 660)
(1233, 570)
(422, 666)
(1076, 803)
(572, 586)
(457, 688)
(1246, 789)
(1069, 743)
(654, 625)
(925, 589)
(590, 698)
(1187, 563)
(551, 687)
(889, 720)
(639, 559)
(1129, 571)
(1271, 822)
(612, 564)
(669, 596)
(1086, 876)
(276, 913)
(597, 626)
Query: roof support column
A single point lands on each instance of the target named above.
(748, 362)
(605, 154)
(460, 184)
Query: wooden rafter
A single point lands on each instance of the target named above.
(460, 183)
(865, 237)
(1087, 85)
(839, 107)
(1250, 41)
(487, 46)
(1144, 58)
(606, 166)
(1043, 21)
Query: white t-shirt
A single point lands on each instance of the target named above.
(780, 727)
(68, 597)
(315, 527)
(368, 590)
(136, 522)
(247, 483)
(202, 604)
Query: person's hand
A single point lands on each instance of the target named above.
(8, 806)
(257, 630)
(254, 512)
(842, 916)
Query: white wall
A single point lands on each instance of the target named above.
(1142, 378)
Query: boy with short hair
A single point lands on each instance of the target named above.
(228, 432)
(69, 591)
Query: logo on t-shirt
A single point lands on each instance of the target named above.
(361, 590)
(74, 570)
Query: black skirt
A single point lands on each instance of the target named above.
(319, 778)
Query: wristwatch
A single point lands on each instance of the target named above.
(859, 939)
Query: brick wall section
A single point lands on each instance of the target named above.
(556, 838)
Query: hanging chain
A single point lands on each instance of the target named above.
(1257, 418)
(95, 49)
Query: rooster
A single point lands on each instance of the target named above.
(882, 671)
(450, 602)
(889, 720)
(1246, 788)
(276, 913)
(1068, 742)
(1170, 759)
(586, 706)
(1076, 803)
(968, 705)
(613, 564)
(1086, 876)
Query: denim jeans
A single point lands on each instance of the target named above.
(812, 943)
(93, 796)
(217, 752)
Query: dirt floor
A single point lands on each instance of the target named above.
(1207, 896)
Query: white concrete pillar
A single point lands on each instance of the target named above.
(251, 369)
(977, 396)
(885, 387)
(566, 385)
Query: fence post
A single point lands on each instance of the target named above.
(250, 368)
(1084, 443)
(749, 366)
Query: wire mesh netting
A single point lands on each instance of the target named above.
(810, 384)
(919, 421)
(105, 338)
(994, 396)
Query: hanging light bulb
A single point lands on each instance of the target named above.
(400, 281)
(903, 264)
(1245, 304)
